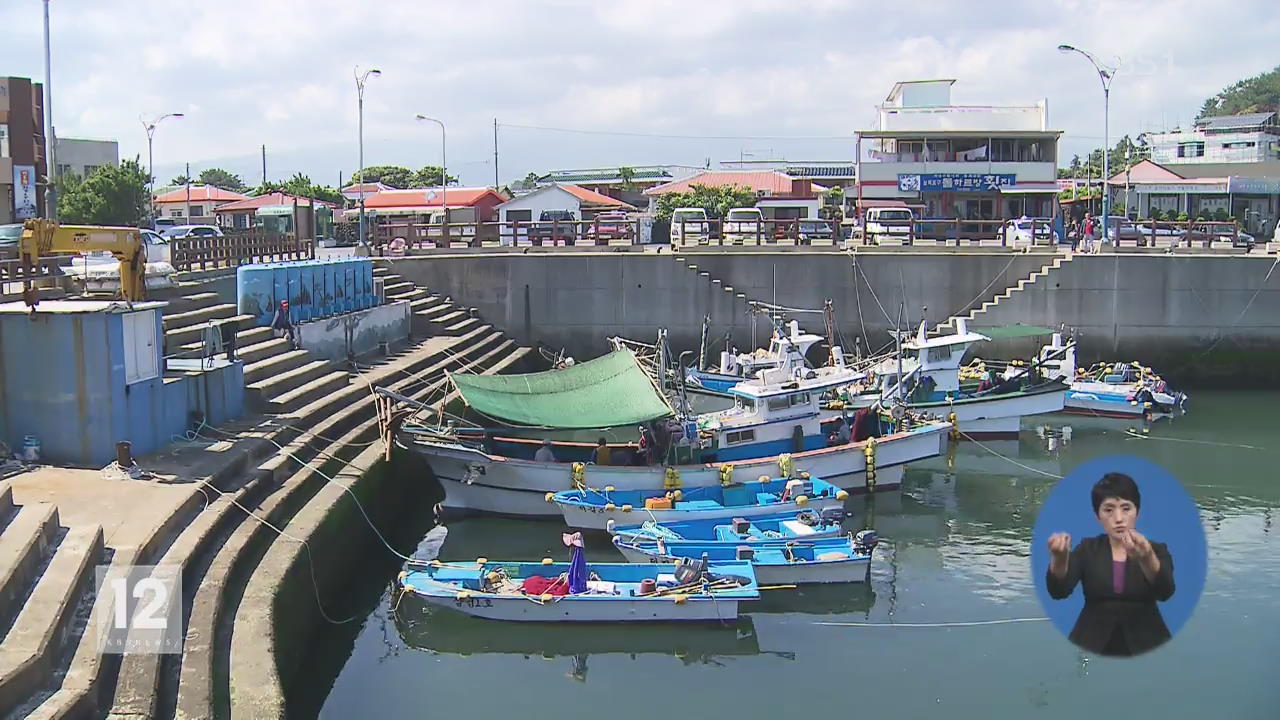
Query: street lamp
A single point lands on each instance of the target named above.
(360, 81)
(50, 140)
(1104, 74)
(444, 178)
(150, 126)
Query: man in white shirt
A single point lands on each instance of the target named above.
(544, 453)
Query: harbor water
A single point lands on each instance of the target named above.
(949, 625)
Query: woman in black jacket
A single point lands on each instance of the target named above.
(1123, 574)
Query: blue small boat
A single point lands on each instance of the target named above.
(593, 509)
(829, 560)
(615, 592)
(772, 529)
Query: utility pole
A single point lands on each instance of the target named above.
(50, 138)
(264, 165)
(187, 176)
(495, 153)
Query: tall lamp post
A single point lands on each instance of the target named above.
(360, 81)
(50, 140)
(150, 126)
(444, 178)
(1104, 74)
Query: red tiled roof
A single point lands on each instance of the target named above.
(368, 188)
(1147, 171)
(591, 197)
(775, 183)
(275, 198)
(417, 197)
(200, 193)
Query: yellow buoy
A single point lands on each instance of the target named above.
(549, 497)
(482, 560)
(608, 488)
(402, 576)
(677, 495)
(842, 495)
(464, 594)
(679, 598)
(802, 500)
(763, 478)
(546, 597)
(626, 508)
(410, 588)
(610, 507)
(547, 561)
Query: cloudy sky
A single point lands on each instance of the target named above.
(650, 81)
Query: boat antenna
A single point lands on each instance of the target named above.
(702, 343)
(898, 334)
(684, 397)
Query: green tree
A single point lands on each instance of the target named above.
(716, 200)
(180, 180)
(529, 182)
(628, 175)
(429, 176)
(389, 175)
(220, 178)
(111, 195)
(1259, 93)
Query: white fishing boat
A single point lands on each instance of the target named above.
(1119, 390)
(926, 378)
(829, 560)
(775, 430)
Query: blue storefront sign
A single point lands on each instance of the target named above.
(24, 192)
(953, 182)
(1253, 186)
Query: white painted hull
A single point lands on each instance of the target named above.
(476, 482)
(1112, 400)
(811, 573)
(572, 609)
(987, 417)
(597, 518)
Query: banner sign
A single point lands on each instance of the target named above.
(24, 192)
(945, 182)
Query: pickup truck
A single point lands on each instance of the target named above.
(608, 226)
(743, 225)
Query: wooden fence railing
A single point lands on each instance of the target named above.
(13, 270)
(237, 247)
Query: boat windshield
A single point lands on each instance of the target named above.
(745, 405)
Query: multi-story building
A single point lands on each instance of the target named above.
(81, 156)
(973, 162)
(22, 149)
(1247, 138)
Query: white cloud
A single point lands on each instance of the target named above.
(278, 73)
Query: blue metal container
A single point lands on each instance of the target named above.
(326, 302)
(255, 292)
(306, 271)
(366, 272)
(349, 286)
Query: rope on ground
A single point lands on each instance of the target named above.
(973, 623)
(969, 437)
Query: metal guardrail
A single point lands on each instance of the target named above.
(237, 247)
(520, 233)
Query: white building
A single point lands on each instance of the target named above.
(584, 204)
(1249, 138)
(81, 156)
(976, 162)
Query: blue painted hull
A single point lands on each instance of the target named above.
(713, 382)
(765, 449)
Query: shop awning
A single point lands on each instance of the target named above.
(609, 391)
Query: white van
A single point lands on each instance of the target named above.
(888, 223)
(743, 225)
(689, 226)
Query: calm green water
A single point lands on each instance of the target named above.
(957, 551)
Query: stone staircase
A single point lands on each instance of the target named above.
(949, 325)
(46, 591)
(50, 666)
(432, 314)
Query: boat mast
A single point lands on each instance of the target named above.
(702, 343)
(897, 333)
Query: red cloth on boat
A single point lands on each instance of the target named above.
(539, 585)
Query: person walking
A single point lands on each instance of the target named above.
(1089, 230)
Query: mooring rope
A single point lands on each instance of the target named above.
(972, 623)
(1009, 459)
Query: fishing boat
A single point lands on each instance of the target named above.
(775, 430)
(926, 377)
(788, 348)
(779, 528)
(609, 592)
(594, 509)
(830, 560)
(1117, 389)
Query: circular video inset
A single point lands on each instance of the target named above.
(1118, 556)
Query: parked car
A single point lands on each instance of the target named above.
(1152, 232)
(1201, 232)
(610, 225)
(1122, 230)
(886, 223)
(555, 227)
(1029, 231)
(9, 235)
(179, 232)
(810, 230)
(689, 226)
(743, 224)
(162, 224)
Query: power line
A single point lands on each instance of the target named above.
(624, 133)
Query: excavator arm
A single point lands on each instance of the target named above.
(41, 237)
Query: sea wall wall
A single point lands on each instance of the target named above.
(1185, 314)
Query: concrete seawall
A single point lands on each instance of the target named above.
(1164, 310)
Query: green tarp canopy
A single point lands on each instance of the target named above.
(1009, 332)
(609, 391)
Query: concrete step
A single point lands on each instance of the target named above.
(24, 545)
(261, 392)
(380, 270)
(423, 302)
(195, 301)
(309, 392)
(31, 648)
(176, 338)
(244, 338)
(263, 350)
(450, 317)
(396, 288)
(199, 316)
(6, 505)
(413, 293)
(462, 326)
(274, 365)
